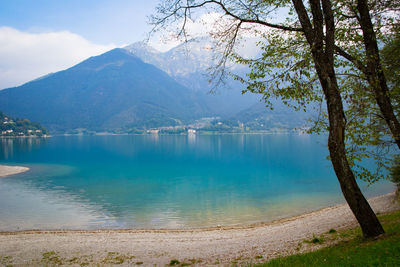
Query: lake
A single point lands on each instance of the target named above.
(166, 181)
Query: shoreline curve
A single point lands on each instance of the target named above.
(7, 170)
(381, 204)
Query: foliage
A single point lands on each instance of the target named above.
(390, 57)
(171, 130)
(285, 70)
(395, 170)
(367, 132)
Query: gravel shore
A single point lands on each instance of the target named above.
(10, 170)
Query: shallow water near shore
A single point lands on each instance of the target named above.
(151, 181)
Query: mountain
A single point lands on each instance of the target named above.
(138, 88)
(109, 91)
(194, 56)
(260, 117)
(189, 65)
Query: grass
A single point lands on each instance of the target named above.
(351, 249)
(5, 261)
(51, 258)
(117, 258)
(316, 240)
(332, 231)
(176, 262)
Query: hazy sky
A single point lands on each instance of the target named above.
(99, 21)
(42, 36)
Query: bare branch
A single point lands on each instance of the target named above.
(176, 8)
(256, 21)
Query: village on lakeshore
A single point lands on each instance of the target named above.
(10, 127)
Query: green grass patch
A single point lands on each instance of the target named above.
(352, 249)
(116, 258)
(51, 258)
(316, 240)
(332, 231)
(6, 261)
(174, 262)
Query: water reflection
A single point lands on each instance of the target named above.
(191, 138)
(14, 146)
(27, 205)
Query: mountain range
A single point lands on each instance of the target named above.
(135, 87)
(190, 64)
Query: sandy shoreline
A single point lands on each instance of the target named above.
(214, 246)
(10, 170)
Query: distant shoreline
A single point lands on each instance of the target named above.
(283, 132)
(186, 134)
(24, 136)
(6, 170)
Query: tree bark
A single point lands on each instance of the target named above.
(322, 48)
(366, 217)
(375, 74)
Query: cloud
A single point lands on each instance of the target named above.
(26, 56)
(200, 27)
(210, 25)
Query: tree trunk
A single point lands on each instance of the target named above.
(366, 217)
(375, 74)
(360, 207)
(322, 48)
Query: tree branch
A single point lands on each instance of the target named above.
(359, 65)
(237, 17)
(304, 20)
(330, 29)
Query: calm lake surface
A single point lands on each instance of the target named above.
(151, 181)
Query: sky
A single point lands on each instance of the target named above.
(43, 36)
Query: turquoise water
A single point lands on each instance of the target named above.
(151, 181)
